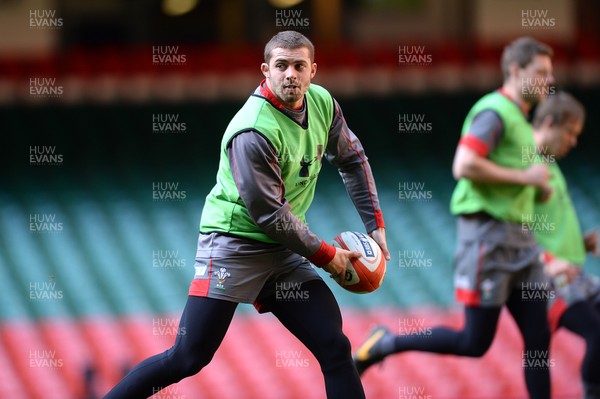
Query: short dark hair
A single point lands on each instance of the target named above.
(562, 107)
(289, 39)
(522, 51)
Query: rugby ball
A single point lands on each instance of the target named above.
(364, 274)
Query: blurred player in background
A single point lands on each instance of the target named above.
(253, 236)
(575, 305)
(496, 259)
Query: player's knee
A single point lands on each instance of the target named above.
(334, 351)
(473, 343)
(342, 345)
(187, 363)
(193, 365)
(475, 349)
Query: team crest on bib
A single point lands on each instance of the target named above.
(221, 275)
(306, 162)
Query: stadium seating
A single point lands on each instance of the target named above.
(109, 293)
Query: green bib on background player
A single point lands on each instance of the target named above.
(555, 225)
(508, 202)
(299, 151)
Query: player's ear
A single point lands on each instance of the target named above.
(513, 69)
(264, 68)
(543, 127)
(547, 122)
(313, 70)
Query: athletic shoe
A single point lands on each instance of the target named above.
(371, 351)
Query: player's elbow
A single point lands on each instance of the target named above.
(461, 169)
(457, 171)
(465, 164)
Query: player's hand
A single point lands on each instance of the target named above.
(538, 175)
(590, 240)
(543, 195)
(379, 236)
(337, 267)
(558, 267)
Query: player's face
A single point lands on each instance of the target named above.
(289, 74)
(535, 79)
(559, 140)
(566, 137)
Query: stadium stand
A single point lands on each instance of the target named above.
(103, 309)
